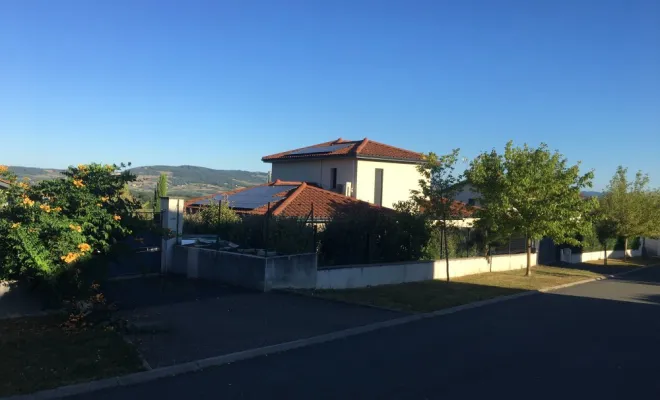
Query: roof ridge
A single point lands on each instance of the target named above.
(278, 210)
(361, 146)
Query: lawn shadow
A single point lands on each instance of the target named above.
(602, 269)
(423, 296)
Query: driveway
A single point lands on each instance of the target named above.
(598, 340)
(186, 320)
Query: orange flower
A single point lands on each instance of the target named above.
(75, 228)
(105, 198)
(27, 201)
(98, 205)
(15, 225)
(23, 185)
(3, 168)
(57, 209)
(109, 167)
(84, 247)
(117, 218)
(69, 258)
(45, 207)
(78, 183)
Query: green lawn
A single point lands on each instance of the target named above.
(429, 296)
(37, 354)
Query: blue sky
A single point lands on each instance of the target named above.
(222, 83)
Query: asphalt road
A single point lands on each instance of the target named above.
(594, 341)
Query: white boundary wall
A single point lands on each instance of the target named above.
(356, 276)
(577, 258)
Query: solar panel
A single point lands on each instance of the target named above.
(250, 198)
(257, 196)
(322, 149)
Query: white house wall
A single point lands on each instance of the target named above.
(398, 180)
(317, 171)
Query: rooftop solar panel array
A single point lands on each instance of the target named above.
(322, 149)
(250, 199)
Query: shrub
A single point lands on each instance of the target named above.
(49, 231)
(361, 234)
(212, 218)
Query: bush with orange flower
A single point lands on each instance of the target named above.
(49, 231)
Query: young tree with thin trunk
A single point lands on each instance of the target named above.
(605, 230)
(438, 188)
(531, 191)
(631, 207)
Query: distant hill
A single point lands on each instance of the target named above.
(593, 194)
(184, 180)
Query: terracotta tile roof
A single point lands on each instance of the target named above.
(4, 183)
(460, 209)
(296, 202)
(364, 148)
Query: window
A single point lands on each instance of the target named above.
(333, 177)
(378, 187)
(471, 202)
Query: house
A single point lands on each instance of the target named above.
(280, 198)
(361, 169)
(4, 184)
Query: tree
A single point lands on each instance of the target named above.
(532, 192)
(160, 191)
(631, 207)
(605, 230)
(438, 187)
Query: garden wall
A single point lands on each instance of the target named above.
(576, 258)
(296, 271)
(356, 276)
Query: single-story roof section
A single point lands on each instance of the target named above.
(287, 199)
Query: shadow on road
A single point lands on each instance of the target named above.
(158, 291)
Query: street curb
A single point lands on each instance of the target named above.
(602, 278)
(198, 365)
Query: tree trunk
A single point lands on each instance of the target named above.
(625, 248)
(605, 254)
(446, 253)
(529, 256)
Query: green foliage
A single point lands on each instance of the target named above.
(629, 208)
(160, 191)
(51, 229)
(533, 192)
(212, 218)
(362, 234)
(439, 184)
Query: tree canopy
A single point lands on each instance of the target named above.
(531, 191)
(631, 209)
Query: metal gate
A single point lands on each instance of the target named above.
(547, 252)
(139, 253)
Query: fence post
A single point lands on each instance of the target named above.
(313, 231)
(266, 233)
